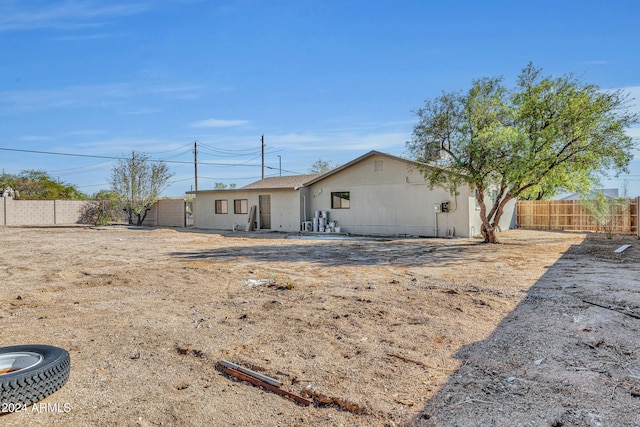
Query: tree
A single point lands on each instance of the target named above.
(99, 212)
(138, 182)
(222, 186)
(38, 185)
(104, 209)
(544, 135)
(321, 166)
(606, 210)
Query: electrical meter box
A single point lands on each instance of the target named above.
(444, 207)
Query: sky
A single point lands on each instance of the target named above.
(95, 80)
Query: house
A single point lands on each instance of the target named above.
(375, 194)
(609, 193)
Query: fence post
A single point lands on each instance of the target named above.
(638, 216)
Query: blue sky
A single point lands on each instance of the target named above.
(326, 80)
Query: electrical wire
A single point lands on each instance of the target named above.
(169, 160)
(169, 151)
(121, 158)
(82, 169)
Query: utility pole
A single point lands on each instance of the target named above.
(262, 156)
(195, 162)
(132, 171)
(280, 162)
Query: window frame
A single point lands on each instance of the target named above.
(221, 207)
(239, 203)
(336, 195)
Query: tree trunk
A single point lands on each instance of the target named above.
(492, 236)
(485, 229)
(489, 225)
(142, 216)
(489, 233)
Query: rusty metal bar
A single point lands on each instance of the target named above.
(255, 381)
(254, 374)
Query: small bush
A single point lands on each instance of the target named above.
(606, 211)
(100, 213)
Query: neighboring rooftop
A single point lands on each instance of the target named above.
(611, 193)
(291, 181)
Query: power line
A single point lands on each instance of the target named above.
(63, 154)
(175, 149)
(216, 152)
(102, 165)
(95, 156)
(82, 169)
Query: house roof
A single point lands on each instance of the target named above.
(296, 181)
(293, 182)
(359, 159)
(610, 193)
(281, 182)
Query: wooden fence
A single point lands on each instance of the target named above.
(572, 215)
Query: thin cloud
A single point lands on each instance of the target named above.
(338, 141)
(139, 111)
(634, 133)
(83, 37)
(596, 62)
(634, 97)
(83, 133)
(34, 138)
(14, 16)
(89, 96)
(123, 146)
(218, 123)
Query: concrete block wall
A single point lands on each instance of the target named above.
(68, 211)
(29, 212)
(40, 212)
(166, 213)
(169, 212)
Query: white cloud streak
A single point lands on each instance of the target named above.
(89, 96)
(321, 142)
(218, 123)
(71, 14)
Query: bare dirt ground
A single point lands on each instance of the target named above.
(541, 330)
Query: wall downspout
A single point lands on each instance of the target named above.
(304, 206)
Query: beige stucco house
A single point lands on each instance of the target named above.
(375, 194)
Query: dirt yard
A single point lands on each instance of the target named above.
(541, 330)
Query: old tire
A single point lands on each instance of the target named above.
(31, 372)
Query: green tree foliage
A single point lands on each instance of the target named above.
(223, 186)
(138, 182)
(321, 166)
(606, 210)
(38, 185)
(544, 135)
